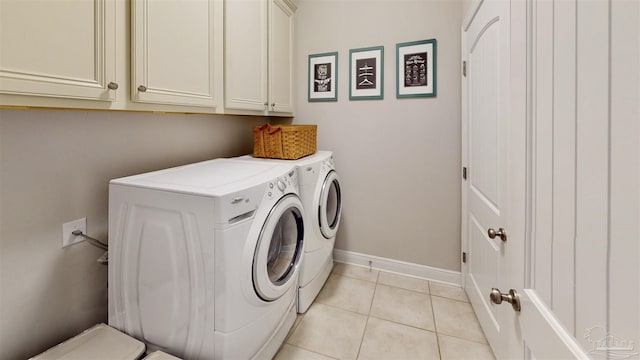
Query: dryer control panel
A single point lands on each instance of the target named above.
(327, 165)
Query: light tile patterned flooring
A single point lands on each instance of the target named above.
(369, 314)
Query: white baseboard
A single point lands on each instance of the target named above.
(398, 267)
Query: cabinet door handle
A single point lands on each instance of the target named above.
(142, 88)
(112, 86)
(273, 106)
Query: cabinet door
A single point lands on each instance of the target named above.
(246, 54)
(58, 48)
(173, 52)
(280, 57)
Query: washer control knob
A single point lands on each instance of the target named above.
(281, 185)
(270, 185)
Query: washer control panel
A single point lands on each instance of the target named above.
(282, 184)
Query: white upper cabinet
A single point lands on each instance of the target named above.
(245, 54)
(258, 56)
(280, 56)
(172, 53)
(208, 56)
(58, 48)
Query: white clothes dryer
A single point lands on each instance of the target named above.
(204, 258)
(321, 195)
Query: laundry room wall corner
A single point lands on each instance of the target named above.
(399, 159)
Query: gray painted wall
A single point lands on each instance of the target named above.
(399, 159)
(55, 167)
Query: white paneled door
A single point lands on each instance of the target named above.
(494, 140)
(551, 142)
(582, 291)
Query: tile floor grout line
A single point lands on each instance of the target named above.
(444, 297)
(465, 339)
(343, 309)
(351, 277)
(403, 324)
(313, 351)
(375, 288)
(401, 288)
(433, 313)
(367, 322)
(462, 338)
(438, 343)
(435, 326)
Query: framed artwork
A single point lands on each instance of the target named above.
(366, 76)
(416, 69)
(323, 77)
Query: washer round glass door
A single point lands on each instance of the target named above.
(278, 250)
(330, 206)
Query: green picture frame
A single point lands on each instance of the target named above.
(416, 69)
(322, 75)
(366, 73)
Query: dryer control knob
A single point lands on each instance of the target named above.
(281, 185)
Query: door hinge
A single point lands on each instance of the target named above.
(464, 257)
(464, 172)
(464, 68)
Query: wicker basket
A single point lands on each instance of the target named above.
(284, 141)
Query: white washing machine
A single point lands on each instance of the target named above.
(320, 191)
(203, 259)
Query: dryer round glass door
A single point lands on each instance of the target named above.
(330, 206)
(278, 251)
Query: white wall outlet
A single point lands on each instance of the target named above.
(67, 228)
